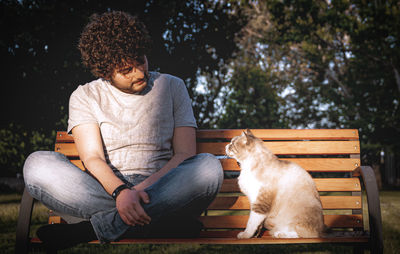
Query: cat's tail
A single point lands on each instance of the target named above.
(329, 232)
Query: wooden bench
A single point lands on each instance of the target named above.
(331, 156)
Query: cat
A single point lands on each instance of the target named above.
(283, 196)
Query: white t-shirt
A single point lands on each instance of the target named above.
(136, 129)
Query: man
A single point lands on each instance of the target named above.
(135, 133)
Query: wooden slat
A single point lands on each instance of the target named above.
(328, 202)
(292, 147)
(338, 184)
(55, 220)
(240, 221)
(283, 134)
(79, 164)
(229, 237)
(64, 137)
(309, 164)
(264, 234)
(323, 184)
(344, 221)
(279, 148)
(266, 134)
(230, 185)
(341, 202)
(68, 149)
(231, 203)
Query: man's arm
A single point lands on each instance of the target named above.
(90, 149)
(184, 145)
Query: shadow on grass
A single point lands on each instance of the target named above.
(207, 249)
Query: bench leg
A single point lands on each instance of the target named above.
(24, 223)
(374, 209)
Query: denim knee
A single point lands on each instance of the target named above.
(35, 166)
(210, 171)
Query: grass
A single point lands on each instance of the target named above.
(9, 208)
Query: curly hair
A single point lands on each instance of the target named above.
(111, 41)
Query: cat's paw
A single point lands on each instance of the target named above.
(285, 234)
(244, 235)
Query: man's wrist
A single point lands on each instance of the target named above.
(118, 190)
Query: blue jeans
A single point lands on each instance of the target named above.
(187, 189)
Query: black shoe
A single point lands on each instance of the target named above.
(176, 227)
(63, 236)
(168, 227)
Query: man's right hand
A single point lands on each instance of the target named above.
(130, 209)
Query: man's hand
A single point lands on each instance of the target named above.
(130, 209)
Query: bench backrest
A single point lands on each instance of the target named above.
(330, 156)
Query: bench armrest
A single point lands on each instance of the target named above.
(374, 208)
(24, 223)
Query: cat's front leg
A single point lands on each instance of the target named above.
(254, 221)
(268, 223)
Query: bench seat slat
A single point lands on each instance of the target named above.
(222, 239)
(233, 233)
(240, 221)
(323, 184)
(328, 202)
(292, 147)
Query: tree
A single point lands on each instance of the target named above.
(338, 63)
(41, 64)
(199, 41)
(252, 101)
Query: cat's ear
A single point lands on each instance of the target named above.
(248, 133)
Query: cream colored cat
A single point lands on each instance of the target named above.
(282, 195)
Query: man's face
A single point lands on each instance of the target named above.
(131, 79)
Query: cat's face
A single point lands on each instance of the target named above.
(240, 146)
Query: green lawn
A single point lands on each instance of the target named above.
(9, 207)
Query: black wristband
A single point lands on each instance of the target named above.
(117, 190)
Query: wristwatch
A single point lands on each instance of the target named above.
(118, 190)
